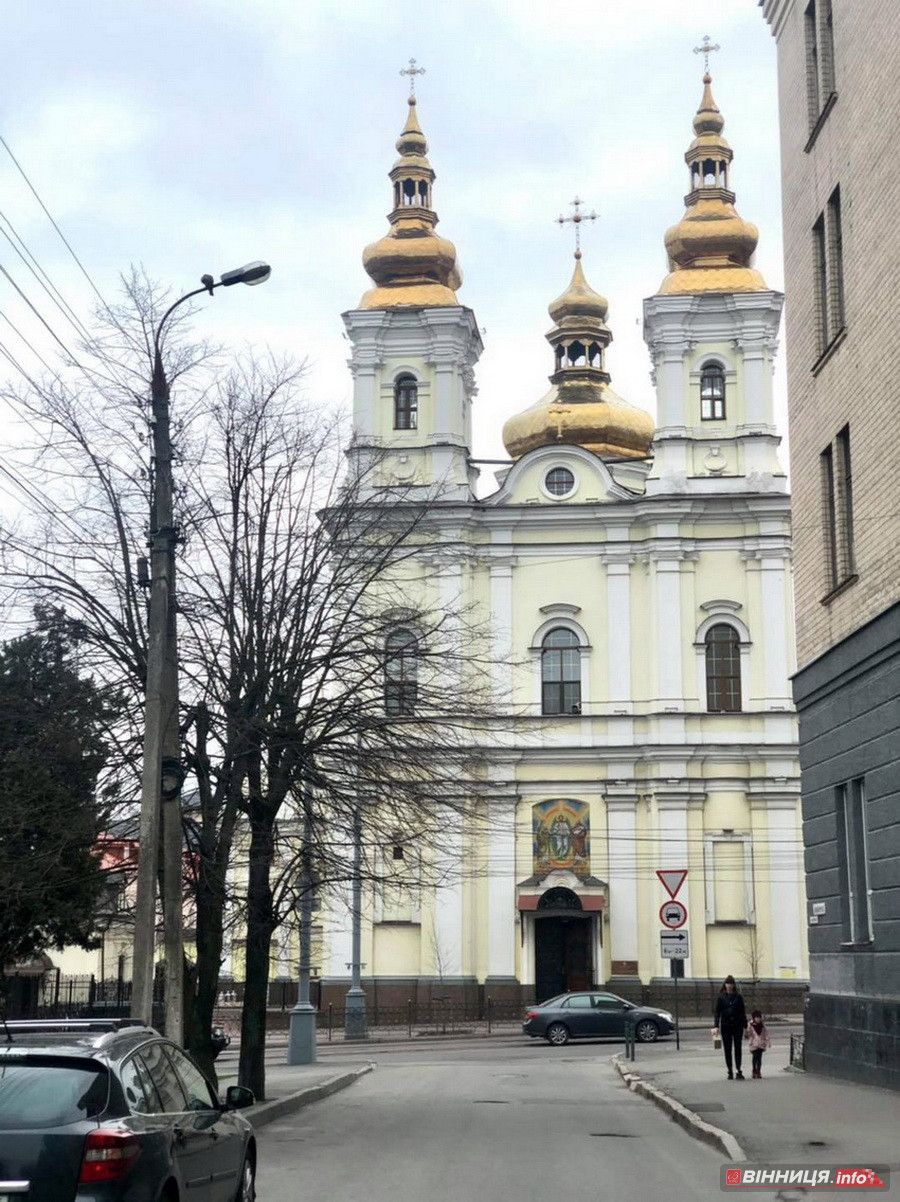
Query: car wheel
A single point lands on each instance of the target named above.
(647, 1031)
(247, 1187)
(557, 1034)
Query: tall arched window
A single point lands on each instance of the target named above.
(400, 672)
(723, 669)
(712, 393)
(406, 403)
(560, 673)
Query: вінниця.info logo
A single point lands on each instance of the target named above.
(804, 1176)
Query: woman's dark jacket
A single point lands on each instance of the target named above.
(730, 1012)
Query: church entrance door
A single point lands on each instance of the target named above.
(562, 949)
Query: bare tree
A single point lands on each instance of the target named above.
(295, 571)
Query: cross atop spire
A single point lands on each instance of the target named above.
(576, 219)
(412, 71)
(706, 49)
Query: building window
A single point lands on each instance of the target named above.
(561, 673)
(712, 393)
(723, 669)
(828, 268)
(837, 499)
(853, 861)
(813, 104)
(819, 32)
(559, 482)
(406, 403)
(400, 672)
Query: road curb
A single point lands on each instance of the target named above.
(699, 1128)
(267, 1112)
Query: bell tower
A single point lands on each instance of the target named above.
(414, 345)
(712, 333)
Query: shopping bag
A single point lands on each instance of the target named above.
(716, 1038)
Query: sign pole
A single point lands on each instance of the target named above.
(677, 1028)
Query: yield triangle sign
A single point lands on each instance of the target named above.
(672, 879)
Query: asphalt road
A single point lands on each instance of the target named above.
(485, 1121)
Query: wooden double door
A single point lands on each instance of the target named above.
(563, 957)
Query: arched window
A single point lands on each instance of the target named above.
(406, 403)
(560, 673)
(723, 669)
(712, 393)
(400, 671)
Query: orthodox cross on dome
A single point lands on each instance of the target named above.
(706, 49)
(559, 414)
(576, 219)
(412, 71)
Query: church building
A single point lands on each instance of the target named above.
(636, 580)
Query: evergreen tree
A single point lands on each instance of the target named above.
(52, 751)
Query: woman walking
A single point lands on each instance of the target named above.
(731, 1020)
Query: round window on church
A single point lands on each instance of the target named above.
(559, 482)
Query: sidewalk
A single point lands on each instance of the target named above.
(788, 1116)
(291, 1087)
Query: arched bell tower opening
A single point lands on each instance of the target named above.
(563, 944)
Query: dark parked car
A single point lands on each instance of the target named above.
(106, 1110)
(593, 1015)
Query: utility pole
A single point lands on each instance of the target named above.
(163, 774)
(302, 1037)
(355, 1026)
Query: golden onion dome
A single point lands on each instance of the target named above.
(579, 299)
(411, 264)
(604, 424)
(580, 409)
(712, 247)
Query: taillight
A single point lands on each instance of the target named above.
(531, 1014)
(108, 1156)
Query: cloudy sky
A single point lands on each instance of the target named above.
(194, 135)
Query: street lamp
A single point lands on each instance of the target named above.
(162, 772)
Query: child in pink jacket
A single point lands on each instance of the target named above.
(759, 1039)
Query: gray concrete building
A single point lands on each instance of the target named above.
(839, 96)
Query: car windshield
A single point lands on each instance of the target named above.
(43, 1091)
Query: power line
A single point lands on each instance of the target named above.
(38, 272)
(50, 218)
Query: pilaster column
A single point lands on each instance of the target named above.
(501, 887)
(501, 570)
(339, 937)
(364, 400)
(669, 363)
(667, 602)
(775, 615)
(757, 392)
(785, 876)
(621, 825)
(618, 629)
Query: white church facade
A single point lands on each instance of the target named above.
(636, 581)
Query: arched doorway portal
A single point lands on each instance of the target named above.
(562, 945)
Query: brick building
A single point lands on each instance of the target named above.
(840, 110)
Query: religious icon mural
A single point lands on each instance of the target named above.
(561, 832)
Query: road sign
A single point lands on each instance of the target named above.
(672, 879)
(673, 914)
(674, 945)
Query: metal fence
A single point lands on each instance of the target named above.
(55, 995)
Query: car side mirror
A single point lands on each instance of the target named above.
(238, 1097)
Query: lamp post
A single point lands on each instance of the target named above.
(355, 1026)
(162, 771)
(302, 1035)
